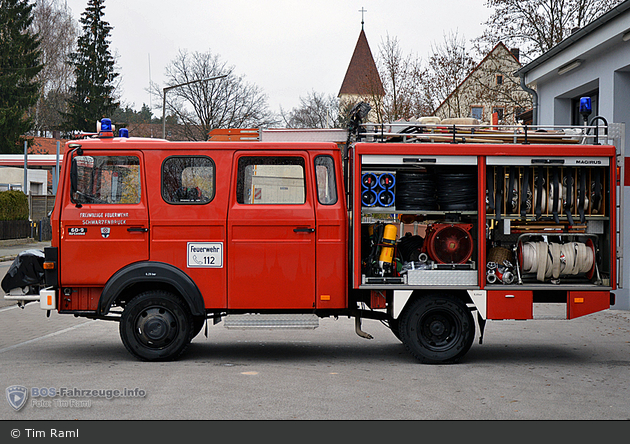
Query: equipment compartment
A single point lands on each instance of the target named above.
(550, 220)
(424, 232)
(553, 193)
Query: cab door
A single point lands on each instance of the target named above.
(104, 220)
(271, 232)
(331, 231)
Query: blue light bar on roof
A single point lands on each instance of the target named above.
(123, 132)
(106, 125)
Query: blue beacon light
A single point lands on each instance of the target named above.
(585, 107)
(106, 125)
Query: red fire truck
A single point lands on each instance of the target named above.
(417, 225)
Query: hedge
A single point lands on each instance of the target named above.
(13, 205)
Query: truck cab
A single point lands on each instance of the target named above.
(212, 228)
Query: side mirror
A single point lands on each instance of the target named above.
(74, 175)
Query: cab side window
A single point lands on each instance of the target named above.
(188, 180)
(271, 180)
(105, 180)
(325, 176)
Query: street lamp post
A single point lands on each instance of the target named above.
(168, 88)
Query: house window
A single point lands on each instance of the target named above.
(499, 112)
(499, 79)
(476, 112)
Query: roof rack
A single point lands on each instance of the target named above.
(418, 132)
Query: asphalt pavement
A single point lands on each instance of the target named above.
(539, 370)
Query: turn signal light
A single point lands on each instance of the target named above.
(49, 265)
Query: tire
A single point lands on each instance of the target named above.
(394, 326)
(198, 323)
(156, 326)
(437, 329)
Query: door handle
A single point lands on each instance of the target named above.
(139, 229)
(304, 230)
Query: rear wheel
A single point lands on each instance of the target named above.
(437, 329)
(394, 326)
(156, 326)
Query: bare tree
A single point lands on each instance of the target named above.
(57, 31)
(200, 107)
(400, 74)
(315, 111)
(448, 66)
(535, 26)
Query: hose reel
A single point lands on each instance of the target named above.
(553, 260)
(544, 191)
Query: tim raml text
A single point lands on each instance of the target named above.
(54, 433)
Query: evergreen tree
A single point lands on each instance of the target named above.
(93, 92)
(19, 65)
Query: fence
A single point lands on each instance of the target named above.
(15, 229)
(38, 228)
(41, 230)
(40, 206)
(23, 229)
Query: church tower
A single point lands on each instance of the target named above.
(362, 81)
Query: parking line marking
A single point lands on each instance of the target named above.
(49, 335)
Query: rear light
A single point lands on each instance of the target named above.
(47, 300)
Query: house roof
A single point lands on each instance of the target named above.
(575, 37)
(496, 47)
(46, 145)
(362, 75)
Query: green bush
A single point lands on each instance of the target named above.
(13, 205)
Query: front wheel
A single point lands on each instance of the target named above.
(156, 326)
(437, 329)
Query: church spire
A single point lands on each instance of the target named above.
(362, 11)
(362, 75)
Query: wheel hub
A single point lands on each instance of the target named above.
(437, 331)
(437, 328)
(156, 327)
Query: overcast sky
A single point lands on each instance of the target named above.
(286, 47)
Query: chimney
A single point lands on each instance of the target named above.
(516, 53)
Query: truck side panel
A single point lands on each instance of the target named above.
(569, 215)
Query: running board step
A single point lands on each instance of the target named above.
(286, 321)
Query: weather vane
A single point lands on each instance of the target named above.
(362, 11)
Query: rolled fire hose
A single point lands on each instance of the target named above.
(552, 260)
